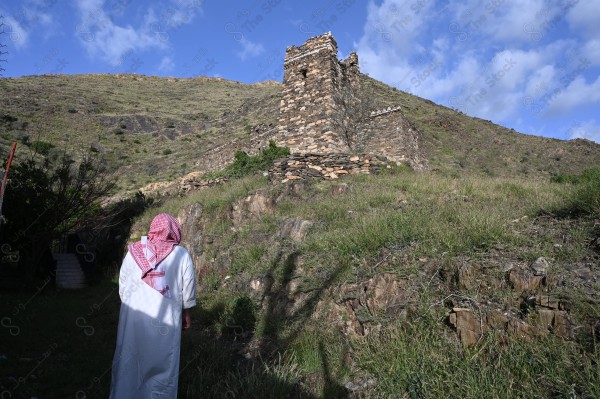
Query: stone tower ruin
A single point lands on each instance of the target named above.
(318, 93)
(323, 117)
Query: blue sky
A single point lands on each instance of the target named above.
(533, 66)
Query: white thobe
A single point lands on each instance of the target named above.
(146, 361)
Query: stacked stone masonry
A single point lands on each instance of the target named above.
(324, 166)
(316, 88)
(392, 135)
(319, 94)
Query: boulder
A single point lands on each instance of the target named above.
(540, 266)
(294, 228)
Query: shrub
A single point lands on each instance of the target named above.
(586, 176)
(244, 164)
(586, 198)
(41, 147)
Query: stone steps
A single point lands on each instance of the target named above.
(68, 271)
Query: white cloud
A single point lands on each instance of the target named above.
(585, 130)
(181, 12)
(577, 93)
(166, 64)
(102, 37)
(249, 49)
(503, 21)
(540, 78)
(16, 33)
(395, 23)
(591, 50)
(585, 17)
(501, 60)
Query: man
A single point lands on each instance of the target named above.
(157, 287)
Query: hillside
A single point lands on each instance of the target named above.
(399, 285)
(477, 280)
(402, 285)
(154, 129)
(149, 128)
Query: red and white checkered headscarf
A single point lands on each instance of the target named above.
(163, 236)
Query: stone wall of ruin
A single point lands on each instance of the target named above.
(391, 134)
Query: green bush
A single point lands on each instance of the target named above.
(586, 176)
(586, 198)
(245, 165)
(42, 147)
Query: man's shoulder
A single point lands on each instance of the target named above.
(182, 251)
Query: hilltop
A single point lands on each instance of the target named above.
(157, 129)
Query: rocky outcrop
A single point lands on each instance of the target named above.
(191, 221)
(294, 228)
(253, 205)
(495, 293)
(359, 308)
(159, 189)
(472, 323)
(532, 308)
(194, 181)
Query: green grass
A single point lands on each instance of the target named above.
(422, 361)
(57, 331)
(415, 216)
(420, 227)
(137, 121)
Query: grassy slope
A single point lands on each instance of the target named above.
(150, 128)
(431, 220)
(155, 129)
(431, 224)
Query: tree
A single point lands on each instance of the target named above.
(49, 196)
(2, 53)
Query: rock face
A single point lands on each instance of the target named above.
(471, 324)
(294, 228)
(193, 181)
(531, 311)
(254, 205)
(190, 218)
(358, 307)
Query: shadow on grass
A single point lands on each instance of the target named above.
(49, 334)
(236, 364)
(59, 342)
(287, 312)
